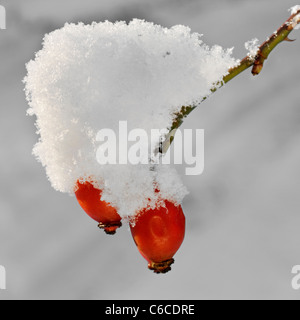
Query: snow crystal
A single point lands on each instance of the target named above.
(90, 77)
(252, 47)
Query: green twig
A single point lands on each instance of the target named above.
(256, 62)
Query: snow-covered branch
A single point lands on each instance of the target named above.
(255, 61)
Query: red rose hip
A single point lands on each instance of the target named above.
(90, 201)
(158, 234)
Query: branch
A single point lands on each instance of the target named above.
(257, 63)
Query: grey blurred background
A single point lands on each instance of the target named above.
(243, 221)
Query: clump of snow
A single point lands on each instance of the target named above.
(294, 9)
(295, 21)
(89, 77)
(252, 47)
(133, 187)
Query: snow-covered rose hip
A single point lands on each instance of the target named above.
(158, 234)
(90, 201)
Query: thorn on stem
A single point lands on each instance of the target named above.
(289, 40)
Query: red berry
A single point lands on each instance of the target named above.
(90, 201)
(158, 235)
